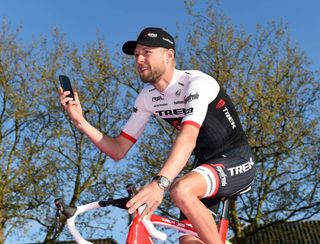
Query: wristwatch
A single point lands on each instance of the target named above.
(163, 182)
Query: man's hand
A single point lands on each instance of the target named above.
(151, 195)
(73, 107)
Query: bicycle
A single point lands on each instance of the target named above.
(140, 231)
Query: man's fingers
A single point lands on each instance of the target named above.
(64, 97)
(134, 204)
(138, 201)
(67, 100)
(145, 196)
(75, 93)
(146, 212)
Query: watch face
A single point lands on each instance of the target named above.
(164, 182)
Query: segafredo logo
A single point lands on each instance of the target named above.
(152, 35)
(191, 97)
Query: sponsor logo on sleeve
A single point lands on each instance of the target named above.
(220, 104)
(191, 97)
(229, 117)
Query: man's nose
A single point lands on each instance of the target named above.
(139, 59)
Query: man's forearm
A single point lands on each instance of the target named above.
(116, 147)
(180, 152)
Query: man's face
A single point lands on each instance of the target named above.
(150, 62)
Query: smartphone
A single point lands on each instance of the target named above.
(66, 85)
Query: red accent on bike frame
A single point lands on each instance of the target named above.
(169, 222)
(138, 233)
(223, 229)
(186, 222)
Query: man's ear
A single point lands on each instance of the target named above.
(171, 53)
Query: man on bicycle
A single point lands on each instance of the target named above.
(208, 124)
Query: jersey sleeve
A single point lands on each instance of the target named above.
(201, 91)
(138, 120)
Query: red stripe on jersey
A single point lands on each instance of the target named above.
(130, 138)
(189, 122)
(216, 176)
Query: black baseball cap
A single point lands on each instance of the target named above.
(151, 37)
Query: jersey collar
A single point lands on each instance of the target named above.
(173, 90)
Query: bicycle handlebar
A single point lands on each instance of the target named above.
(72, 212)
(150, 227)
(71, 221)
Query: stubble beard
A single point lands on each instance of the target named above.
(153, 76)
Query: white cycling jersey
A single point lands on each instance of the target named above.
(195, 98)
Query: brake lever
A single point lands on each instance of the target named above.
(130, 218)
(131, 189)
(57, 224)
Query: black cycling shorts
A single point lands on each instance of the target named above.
(226, 175)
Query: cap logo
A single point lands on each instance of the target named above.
(153, 35)
(167, 40)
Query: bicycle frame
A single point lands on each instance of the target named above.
(139, 231)
(144, 230)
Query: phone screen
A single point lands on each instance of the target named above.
(66, 85)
